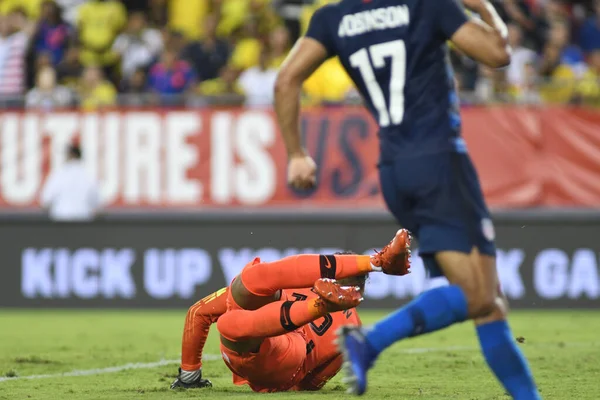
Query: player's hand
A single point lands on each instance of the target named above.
(302, 172)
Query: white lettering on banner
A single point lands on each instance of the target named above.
(550, 273)
(171, 272)
(255, 177)
(84, 273)
(509, 262)
(180, 157)
(142, 158)
(85, 263)
(116, 273)
(556, 276)
(252, 180)
(61, 129)
(584, 275)
(221, 160)
(21, 157)
(36, 278)
(101, 143)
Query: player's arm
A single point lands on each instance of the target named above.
(198, 321)
(484, 40)
(304, 59)
(308, 54)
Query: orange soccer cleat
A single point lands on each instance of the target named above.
(337, 297)
(394, 259)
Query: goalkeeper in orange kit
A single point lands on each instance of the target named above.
(277, 320)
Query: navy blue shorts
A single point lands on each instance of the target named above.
(439, 199)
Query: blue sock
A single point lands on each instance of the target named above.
(431, 311)
(506, 361)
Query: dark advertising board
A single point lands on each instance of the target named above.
(133, 263)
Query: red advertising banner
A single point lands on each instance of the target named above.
(206, 159)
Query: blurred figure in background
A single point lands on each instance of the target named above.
(134, 89)
(98, 24)
(138, 46)
(171, 78)
(184, 16)
(279, 46)
(247, 50)
(562, 65)
(95, 92)
(589, 35)
(208, 55)
(70, 193)
(70, 69)
(588, 89)
(15, 32)
(223, 90)
(521, 57)
(47, 95)
(52, 34)
(70, 10)
(258, 83)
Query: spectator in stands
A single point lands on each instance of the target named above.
(528, 92)
(47, 95)
(171, 78)
(184, 16)
(258, 83)
(246, 53)
(158, 15)
(138, 46)
(70, 193)
(29, 8)
(224, 89)
(491, 86)
(134, 89)
(279, 44)
(70, 69)
(589, 35)
(15, 32)
(99, 22)
(209, 55)
(588, 90)
(330, 84)
(562, 65)
(52, 34)
(70, 10)
(522, 57)
(95, 92)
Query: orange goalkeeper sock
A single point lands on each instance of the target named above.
(301, 271)
(274, 319)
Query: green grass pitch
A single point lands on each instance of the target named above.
(563, 349)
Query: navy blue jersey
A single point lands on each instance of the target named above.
(395, 52)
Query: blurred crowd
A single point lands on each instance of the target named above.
(102, 53)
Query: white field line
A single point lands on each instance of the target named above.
(213, 357)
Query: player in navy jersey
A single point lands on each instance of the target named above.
(396, 53)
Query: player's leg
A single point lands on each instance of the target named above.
(473, 280)
(262, 280)
(280, 317)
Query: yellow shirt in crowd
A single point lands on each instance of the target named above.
(31, 7)
(99, 23)
(246, 53)
(187, 16)
(330, 82)
(102, 95)
(560, 89)
(589, 88)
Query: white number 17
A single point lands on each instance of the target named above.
(396, 50)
